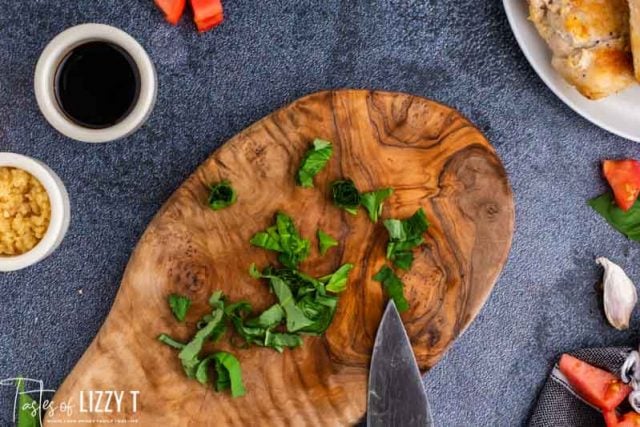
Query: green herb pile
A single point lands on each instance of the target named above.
(305, 305)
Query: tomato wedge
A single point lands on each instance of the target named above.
(610, 418)
(600, 388)
(624, 178)
(207, 13)
(630, 419)
(172, 9)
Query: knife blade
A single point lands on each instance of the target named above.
(396, 395)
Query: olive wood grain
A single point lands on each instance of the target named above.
(430, 154)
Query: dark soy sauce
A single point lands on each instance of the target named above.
(97, 85)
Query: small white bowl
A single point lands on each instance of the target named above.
(57, 50)
(60, 211)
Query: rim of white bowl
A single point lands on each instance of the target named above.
(516, 17)
(60, 211)
(54, 53)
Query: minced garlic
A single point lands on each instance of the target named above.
(25, 211)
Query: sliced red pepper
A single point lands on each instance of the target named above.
(172, 9)
(600, 388)
(624, 179)
(207, 13)
(630, 419)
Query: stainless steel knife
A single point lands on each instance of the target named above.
(396, 394)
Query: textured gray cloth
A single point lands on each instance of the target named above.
(559, 406)
(265, 55)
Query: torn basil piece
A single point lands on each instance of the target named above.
(222, 195)
(314, 160)
(373, 202)
(346, 195)
(179, 305)
(284, 238)
(393, 286)
(166, 339)
(325, 242)
(404, 236)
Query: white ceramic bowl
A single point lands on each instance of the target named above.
(619, 114)
(55, 52)
(60, 211)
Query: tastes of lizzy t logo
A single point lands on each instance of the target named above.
(33, 404)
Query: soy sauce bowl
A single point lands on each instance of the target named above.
(46, 74)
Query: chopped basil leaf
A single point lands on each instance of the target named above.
(374, 201)
(403, 260)
(223, 381)
(202, 371)
(253, 271)
(179, 306)
(296, 320)
(285, 239)
(393, 286)
(166, 339)
(314, 161)
(258, 330)
(228, 373)
(280, 341)
(627, 223)
(222, 195)
(337, 282)
(320, 309)
(189, 354)
(28, 410)
(227, 362)
(267, 240)
(404, 236)
(269, 318)
(325, 242)
(346, 195)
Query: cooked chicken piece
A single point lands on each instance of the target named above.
(589, 40)
(634, 6)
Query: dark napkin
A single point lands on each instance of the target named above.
(559, 405)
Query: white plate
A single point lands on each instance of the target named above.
(619, 114)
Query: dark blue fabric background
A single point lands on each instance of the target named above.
(266, 54)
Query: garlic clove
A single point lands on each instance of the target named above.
(620, 295)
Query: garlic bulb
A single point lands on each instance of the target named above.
(620, 294)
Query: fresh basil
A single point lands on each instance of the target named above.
(189, 354)
(314, 160)
(337, 282)
(346, 195)
(325, 242)
(627, 223)
(284, 238)
(228, 373)
(373, 202)
(222, 195)
(393, 286)
(307, 307)
(179, 305)
(296, 320)
(166, 339)
(226, 362)
(259, 330)
(28, 409)
(404, 236)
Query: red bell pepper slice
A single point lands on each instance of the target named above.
(600, 388)
(207, 13)
(172, 9)
(624, 178)
(630, 419)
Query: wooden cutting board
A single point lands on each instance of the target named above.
(430, 154)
